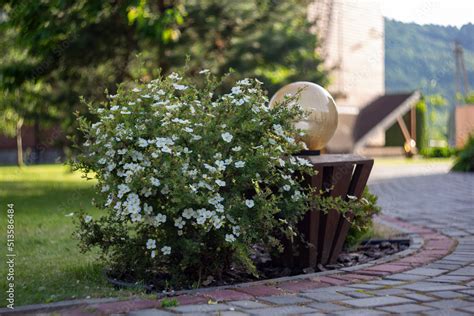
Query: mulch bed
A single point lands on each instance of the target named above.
(366, 252)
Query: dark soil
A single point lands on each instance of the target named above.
(366, 252)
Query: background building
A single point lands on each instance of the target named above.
(352, 45)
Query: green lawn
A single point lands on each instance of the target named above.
(49, 266)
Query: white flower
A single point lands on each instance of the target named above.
(296, 196)
(154, 181)
(220, 183)
(153, 254)
(278, 130)
(286, 187)
(151, 244)
(174, 76)
(229, 238)
(136, 90)
(236, 148)
(204, 71)
(165, 190)
(142, 142)
(87, 219)
(236, 90)
(105, 188)
(147, 208)
(239, 164)
(221, 165)
(236, 230)
(160, 218)
(179, 86)
(136, 217)
(304, 162)
(179, 222)
(249, 203)
(166, 250)
(281, 162)
(123, 188)
(132, 204)
(227, 137)
(188, 213)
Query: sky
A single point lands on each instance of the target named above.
(443, 12)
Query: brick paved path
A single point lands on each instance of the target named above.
(426, 196)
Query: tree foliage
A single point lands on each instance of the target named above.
(81, 48)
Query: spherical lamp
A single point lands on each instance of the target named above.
(321, 122)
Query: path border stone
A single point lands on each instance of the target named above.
(426, 246)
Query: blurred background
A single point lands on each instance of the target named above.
(401, 71)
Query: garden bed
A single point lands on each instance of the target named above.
(367, 251)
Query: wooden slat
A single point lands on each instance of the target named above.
(359, 179)
(314, 220)
(341, 180)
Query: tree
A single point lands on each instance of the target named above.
(82, 48)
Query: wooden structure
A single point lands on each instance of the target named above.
(326, 233)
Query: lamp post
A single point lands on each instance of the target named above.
(336, 175)
(321, 120)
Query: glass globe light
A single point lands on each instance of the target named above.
(321, 122)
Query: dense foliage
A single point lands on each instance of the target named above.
(80, 48)
(190, 180)
(465, 157)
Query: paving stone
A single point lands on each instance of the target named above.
(445, 312)
(332, 289)
(377, 301)
(432, 287)
(325, 296)
(261, 290)
(285, 299)
(367, 286)
(360, 312)
(469, 309)
(358, 294)
(332, 281)
(201, 308)
(248, 304)
(406, 308)
(426, 271)
(469, 271)
(387, 282)
(150, 312)
(226, 295)
(419, 297)
(449, 278)
(444, 266)
(327, 307)
(468, 292)
(406, 277)
(448, 294)
(283, 310)
(449, 304)
(301, 285)
(230, 313)
(383, 292)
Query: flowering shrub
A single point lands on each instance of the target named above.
(189, 180)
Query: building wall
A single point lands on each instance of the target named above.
(464, 124)
(352, 34)
(353, 47)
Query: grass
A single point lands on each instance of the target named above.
(49, 266)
